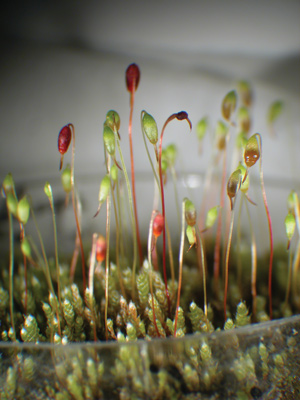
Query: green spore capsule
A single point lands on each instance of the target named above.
(201, 128)
(12, 203)
(25, 247)
(8, 183)
(23, 210)
(274, 112)
(290, 225)
(66, 179)
(109, 140)
(229, 105)
(150, 128)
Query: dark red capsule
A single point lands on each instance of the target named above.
(64, 139)
(63, 143)
(132, 77)
(181, 115)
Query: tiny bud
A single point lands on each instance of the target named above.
(190, 212)
(290, 225)
(48, 190)
(158, 225)
(66, 179)
(25, 247)
(233, 185)
(23, 210)
(201, 128)
(251, 152)
(100, 249)
(12, 203)
(149, 127)
(113, 120)
(229, 105)
(132, 77)
(64, 140)
(191, 235)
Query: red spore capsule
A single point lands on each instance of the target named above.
(100, 249)
(64, 140)
(158, 225)
(132, 77)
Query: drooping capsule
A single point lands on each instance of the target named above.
(191, 235)
(245, 93)
(229, 105)
(103, 192)
(251, 152)
(113, 120)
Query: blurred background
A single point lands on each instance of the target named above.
(65, 61)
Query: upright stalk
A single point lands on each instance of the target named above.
(258, 138)
(11, 274)
(133, 178)
(181, 248)
(75, 210)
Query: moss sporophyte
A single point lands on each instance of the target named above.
(135, 291)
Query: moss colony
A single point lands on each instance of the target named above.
(106, 325)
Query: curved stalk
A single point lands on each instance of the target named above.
(180, 116)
